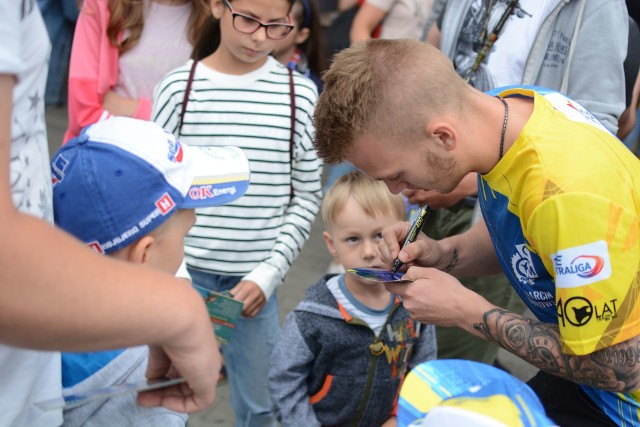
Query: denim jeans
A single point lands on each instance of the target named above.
(60, 18)
(246, 357)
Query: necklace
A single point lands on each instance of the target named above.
(504, 125)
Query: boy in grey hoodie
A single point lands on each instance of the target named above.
(345, 349)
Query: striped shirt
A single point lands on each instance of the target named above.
(261, 234)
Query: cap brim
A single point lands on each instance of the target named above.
(220, 175)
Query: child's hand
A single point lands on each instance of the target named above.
(250, 293)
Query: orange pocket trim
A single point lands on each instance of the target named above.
(323, 391)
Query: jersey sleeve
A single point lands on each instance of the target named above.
(589, 243)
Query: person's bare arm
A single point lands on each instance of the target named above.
(613, 368)
(346, 4)
(118, 105)
(470, 253)
(59, 295)
(433, 37)
(365, 21)
(437, 298)
(628, 118)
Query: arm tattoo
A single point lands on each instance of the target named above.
(453, 262)
(615, 368)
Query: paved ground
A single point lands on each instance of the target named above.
(309, 266)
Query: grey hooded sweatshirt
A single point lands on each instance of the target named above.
(330, 369)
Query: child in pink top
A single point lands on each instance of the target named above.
(121, 49)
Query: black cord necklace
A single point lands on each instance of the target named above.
(504, 125)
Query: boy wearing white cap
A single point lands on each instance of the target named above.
(127, 188)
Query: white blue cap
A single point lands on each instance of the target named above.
(122, 177)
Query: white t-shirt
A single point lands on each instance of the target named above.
(163, 46)
(27, 376)
(404, 19)
(511, 50)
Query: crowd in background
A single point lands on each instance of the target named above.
(249, 74)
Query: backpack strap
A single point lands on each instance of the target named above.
(292, 96)
(187, 91)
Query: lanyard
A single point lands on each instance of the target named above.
(489, 40)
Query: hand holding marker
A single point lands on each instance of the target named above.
(413, 233)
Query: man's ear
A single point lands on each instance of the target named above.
(217, 8)
(141, 250)
(443, 134)
(302, 36)
(328, 240)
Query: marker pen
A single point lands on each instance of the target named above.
(413, 233)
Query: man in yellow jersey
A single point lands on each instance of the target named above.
(559, 195)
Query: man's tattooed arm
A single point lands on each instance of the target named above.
(615, 368)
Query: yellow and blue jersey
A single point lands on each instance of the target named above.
(562, 207)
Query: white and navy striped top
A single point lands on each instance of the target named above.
(259, 235)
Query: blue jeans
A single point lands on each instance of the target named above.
(60, 19)
(246, 357)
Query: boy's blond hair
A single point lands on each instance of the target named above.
(386, 88)
(373, 196)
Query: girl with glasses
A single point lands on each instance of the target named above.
(235, 93)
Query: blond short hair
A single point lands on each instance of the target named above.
(388, 88)
(373, 196)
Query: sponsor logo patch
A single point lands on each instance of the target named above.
(175, 150)
(573, 110)
(522, 265)
(582, 265)
(96, 247)
(165, 203)
(58, 166)
(207, 191)
(578, 311)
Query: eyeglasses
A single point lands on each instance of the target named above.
(248, 25)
